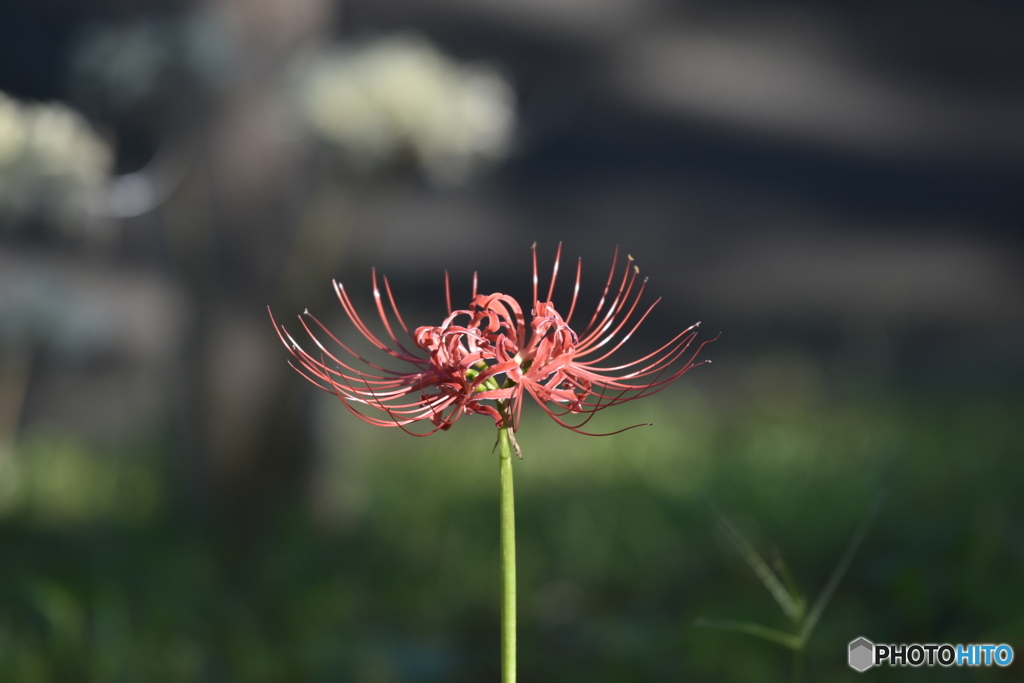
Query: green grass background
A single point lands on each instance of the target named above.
(387, 569)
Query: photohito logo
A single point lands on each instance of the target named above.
(863, 654)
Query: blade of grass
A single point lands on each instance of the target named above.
(787, 580)
(768, 578)
(837, 574)
(757, 630)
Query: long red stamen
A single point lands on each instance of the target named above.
(575, 291)
(554, 272)
(607, 286)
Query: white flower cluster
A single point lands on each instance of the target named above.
(53, 166)
(400, 96)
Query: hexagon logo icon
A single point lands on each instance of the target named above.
(862, 654)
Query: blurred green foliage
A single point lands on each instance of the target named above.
(388, 572)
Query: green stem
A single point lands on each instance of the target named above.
(508, 560)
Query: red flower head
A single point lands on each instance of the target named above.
(487, 364)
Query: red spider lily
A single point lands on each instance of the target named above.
(487, 364)
(451, 381)
(561, 368)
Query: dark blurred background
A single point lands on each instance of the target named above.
(836, 187)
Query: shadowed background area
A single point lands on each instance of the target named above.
(836, 188)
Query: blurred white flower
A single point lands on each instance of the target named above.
(53, 166)
(401, 96)
(125, 68)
